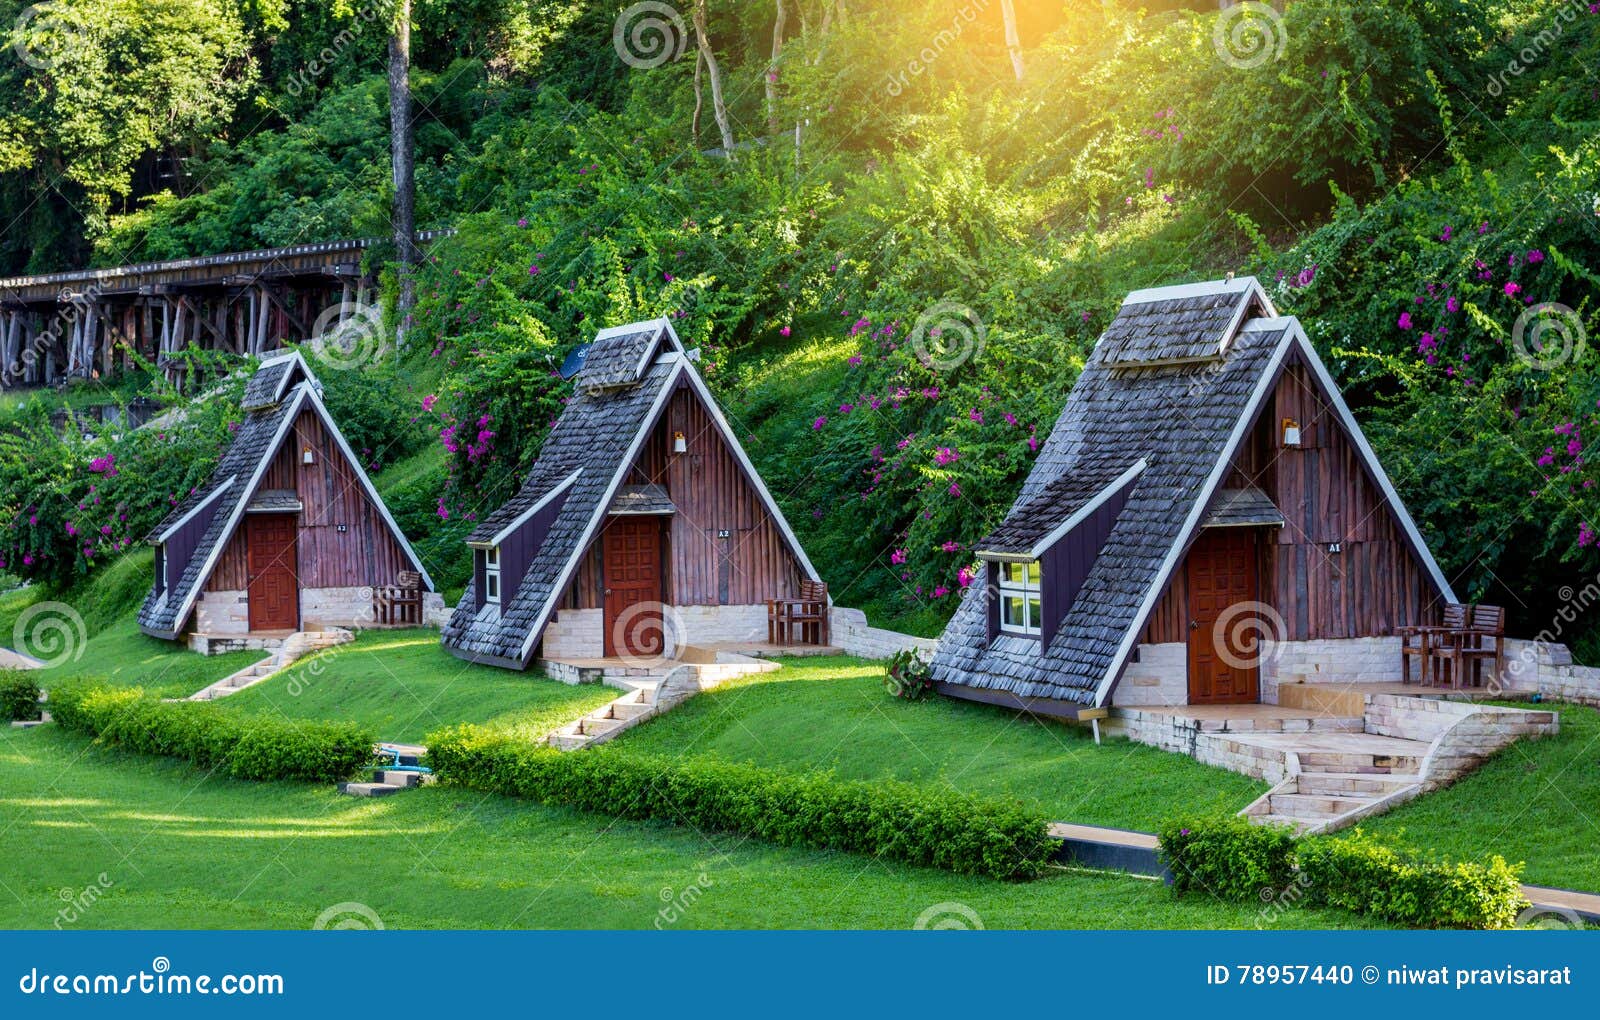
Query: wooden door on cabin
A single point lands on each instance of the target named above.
(631, 571)
(1224, 618)
(273, 589)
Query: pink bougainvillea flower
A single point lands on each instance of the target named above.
(955, 488)
(944, 455)
(897, 557)
(940, 592)
(1452, 305)
(428, 402)
(853, 360)
(949, 546)
(975, 415)
(964, 576)
(784, 331)
(1512, 289)
(1535, 257)
(819, 422)
(1405, 320)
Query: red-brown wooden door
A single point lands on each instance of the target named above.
(631, 564)
(1224, 666)
(273, 589)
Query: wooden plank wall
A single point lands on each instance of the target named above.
(1373, 585)
(365, 554)
(712, 494)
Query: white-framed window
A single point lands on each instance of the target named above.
(491, 575)
(1020, 605)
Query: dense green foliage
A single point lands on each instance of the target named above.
(241, 746)
(1228, 857)
(889, 820)
(19, 696)
(894, 309)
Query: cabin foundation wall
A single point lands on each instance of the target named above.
(222, 612)
(1161, 676)
(321, 608)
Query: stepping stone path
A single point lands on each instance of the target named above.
(296, 646)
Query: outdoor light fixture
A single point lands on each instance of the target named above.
(307, 457)
(1291, 432)
(679, 444)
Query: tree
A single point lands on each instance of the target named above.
(1008, 13)
(402, 149)
(772, 69)
(703, 42)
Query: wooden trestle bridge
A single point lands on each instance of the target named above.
(84, 324)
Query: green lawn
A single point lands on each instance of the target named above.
(1537, 801)
(402, 683)
(834, 713)
(180, 849)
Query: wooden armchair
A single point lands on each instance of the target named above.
(1463, 653)
(399, 604)
(805, 617)
(1418, 642)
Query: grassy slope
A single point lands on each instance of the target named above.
(834, 713)
(404, 684)
(185, 850)
(1536, 801)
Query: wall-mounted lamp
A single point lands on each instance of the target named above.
(307, 457)
(679, 444)
(1291, 432)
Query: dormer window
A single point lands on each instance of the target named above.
(1020, 606)
(491, 575)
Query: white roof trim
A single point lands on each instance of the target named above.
(522, 518)
(210, 562)
(180, 522)
(1373, 464)
(1294, 337)
(1078, 517)
(1178, 292)
(582, 545)
(290, 355)
(366, 484)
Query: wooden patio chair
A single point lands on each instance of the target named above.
(810, 612)
(1463, 653)
(1419, 641)
(399, 604)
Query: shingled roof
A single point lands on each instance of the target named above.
(588, 451)
(1180, 402)
(275, 395)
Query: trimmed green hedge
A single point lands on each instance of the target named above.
(19, 696)
(1360, 873)
(892, 820)
(1230, 858)
(242, 746)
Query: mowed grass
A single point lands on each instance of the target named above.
(833, 713)
(402, 683)
(180, 849)
(1537, 801)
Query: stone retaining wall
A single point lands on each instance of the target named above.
(1547, 668)
(848, 631)
(1159, 677)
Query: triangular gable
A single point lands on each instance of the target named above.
(682, 371)
(303, 397)
(1295, 343)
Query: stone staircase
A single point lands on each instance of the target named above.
(652, 690)
(281, 655)
(1408, 746)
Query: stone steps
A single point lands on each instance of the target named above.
(650, 692)
(286, 652)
